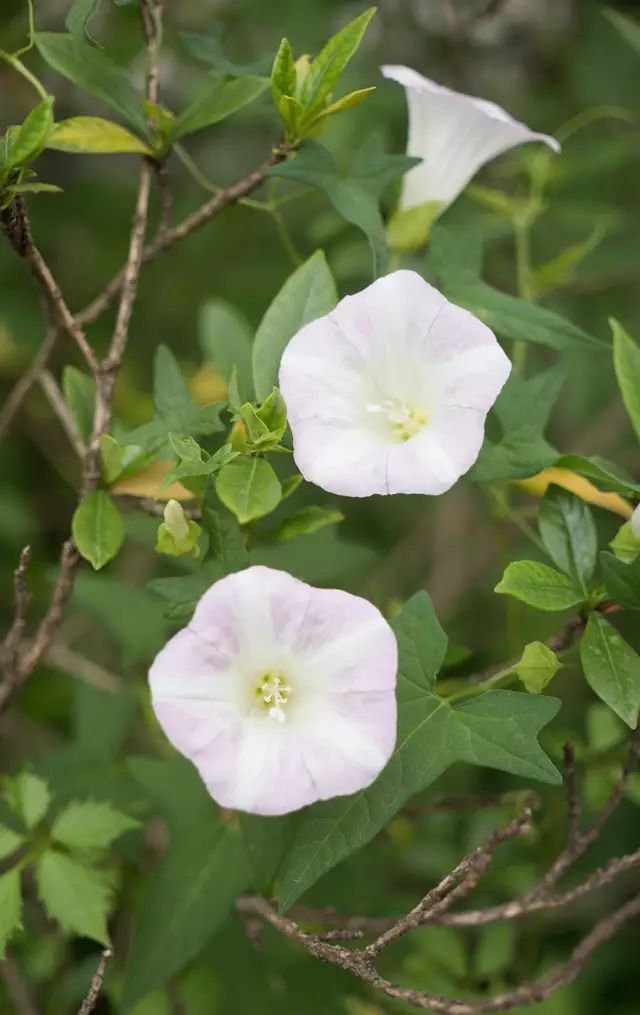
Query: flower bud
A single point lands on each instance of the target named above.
(177, 535)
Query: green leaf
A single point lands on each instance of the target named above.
(91, 135)
(10, 841)
(330, 62)
(74, 895)
(265, 841)
(628, 29)
(183, 593)
(176, 410)
(249, 488)
(31, 137)
(308, 293)
(79, 392)
(498, 729)
(225, 338)
(90, 825)
(537, 667)
(94, 72)
(192, 890)
(98, 529)
(539, 585)
(283, 72)
(569, 535)
(604, 474)
(626, 359)
(116, 458)
(355, 195)
(28, 796)
(10, 908)
(622, 580)
(208, 49)
(305, 521)
(626, 544)
(612, 668)
(507, 315)
(215, 101)
(79, 16)
(291, 484)
(523, 409)
(226, 541)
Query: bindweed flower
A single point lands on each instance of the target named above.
(455, 135)
(279, 693)
(635, 521)
(389, 392)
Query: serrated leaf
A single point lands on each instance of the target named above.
(498, 730)
(569, 535)
(539, 585)
(215, 101)
(622, 580)
(94, 72)
(97, 528)
(10, 908)
(330, 62)
(612, 668)
(626, 359)
(28, 796)
(79, 392)
(10, 841)
(249, 488)
(91, 135)
(74, 895)
(90, 825)
(537, 667)
(31, 136)
(355, 195)
(308, 293)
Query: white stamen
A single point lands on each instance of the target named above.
(275, 692)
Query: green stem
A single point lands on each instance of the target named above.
(285, 236)
(472, 691)
(18, 65)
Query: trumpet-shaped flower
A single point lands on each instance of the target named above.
(389, 392)
(279, 693)
(454, 134)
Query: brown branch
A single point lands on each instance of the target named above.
(17, 989)
(24, 384)
(56, 401)
(362, 965)
(10, 645)
(189, 225)
(91, 999)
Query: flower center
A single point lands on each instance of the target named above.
(405, 420)
(274, 691)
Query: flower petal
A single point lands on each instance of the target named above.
(454, 134)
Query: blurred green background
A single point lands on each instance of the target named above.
(545, 62)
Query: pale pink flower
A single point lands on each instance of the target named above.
(279, 693)
(389, 392)
(454, 134)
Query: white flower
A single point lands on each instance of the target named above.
(389, 392)
(454, 134)
(279, 693)
(635, 521)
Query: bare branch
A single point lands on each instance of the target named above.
(56, 400)
(91, 999)
(23, 386)
(10, 645)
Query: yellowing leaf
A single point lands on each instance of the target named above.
(92, 135)
(538, 485)
(146, 483)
